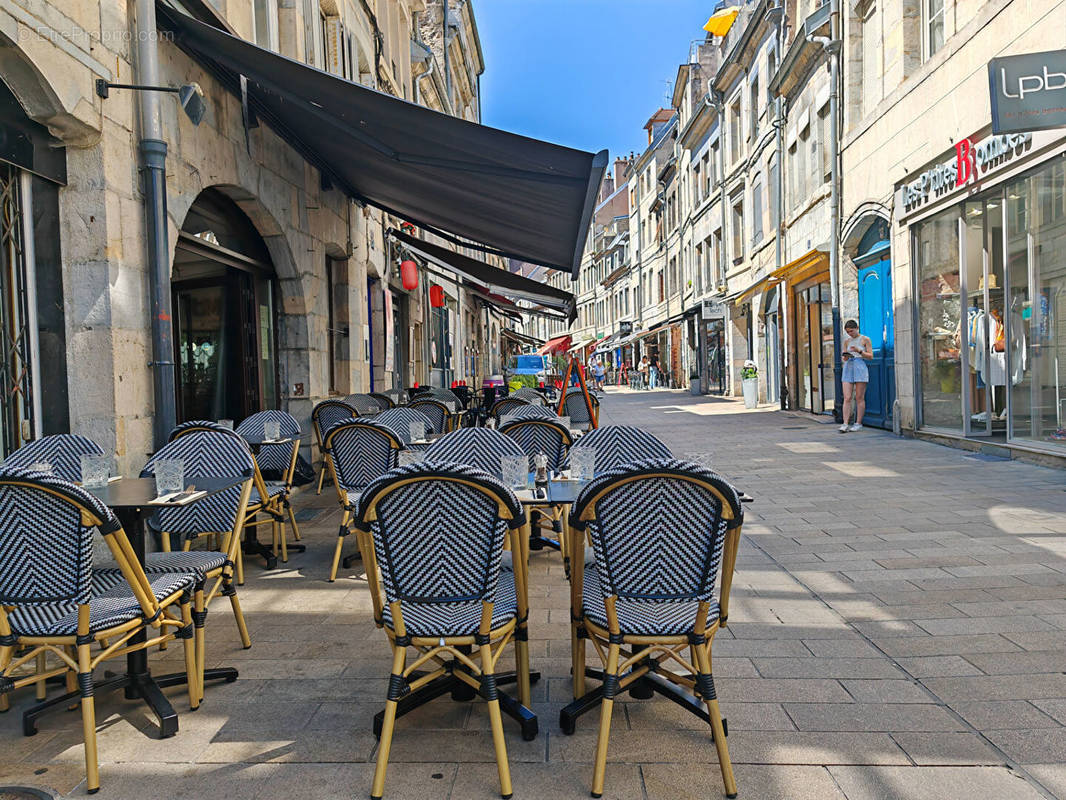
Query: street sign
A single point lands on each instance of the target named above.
(1028, 92)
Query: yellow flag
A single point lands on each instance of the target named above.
(721, 21)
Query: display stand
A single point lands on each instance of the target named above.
(574, 364)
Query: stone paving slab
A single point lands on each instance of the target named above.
(896, 631)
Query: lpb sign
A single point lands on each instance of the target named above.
(1028, 92)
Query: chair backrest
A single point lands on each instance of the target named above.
(438, 532)
(435, 410)
(46, 538)
(363, 403)
(360, 451)
(657, 528)
(620, 444)
(384, 401)
(530, 394)
(528, 411)
(328, 413)
(272, 457)
(446, 395)
(207, 453)
(507, 405)
(575, 408)
(63, 451)
(475, 447)
(399, 420)
(397, 396)
(547, 436)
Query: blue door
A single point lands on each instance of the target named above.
(875, 321)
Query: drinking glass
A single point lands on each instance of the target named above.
(417, 431)
(226, 423)
(271, 430)
(410, 457)
(95, 470)
(169, 476)
(582, 463)
(515, 471)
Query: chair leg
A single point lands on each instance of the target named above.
(72, 679)
(88, 718)
(192, 661)
(240, 565)
(238, 615)
(292, 521)
(610, 688)
(321, 477)
(705, 682)
(399, 658)
(577, 661)
(41, 666)
(6, 652)
(199, 621)
(279, 535)
(488, 682)
(336, 559)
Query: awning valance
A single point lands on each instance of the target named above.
(493, 278)
(806, 266)
(520, 197)
(560, 344)
(520, 338)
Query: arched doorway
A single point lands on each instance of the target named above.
(224, 290)
(873, 261)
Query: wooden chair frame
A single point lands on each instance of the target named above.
(407, 682)
(320, 435)
(75, 652)
(627, 668)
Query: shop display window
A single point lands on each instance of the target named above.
(939, 318)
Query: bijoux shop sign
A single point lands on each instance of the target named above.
(1028, 91)
(969, 162)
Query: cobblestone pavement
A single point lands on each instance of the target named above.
(897, 630)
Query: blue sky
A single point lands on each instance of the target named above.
(584, 73)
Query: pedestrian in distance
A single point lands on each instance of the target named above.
(643, 370)
(598, 373)
(856, 350)
(653, 373)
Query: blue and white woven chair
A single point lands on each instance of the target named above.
(658, 528)
(47, 602)
(619, 444)
(575, 408)
(277, 461)
(397, 396)
(384, 401)
(528, 411)
(399, 420)
(541, 435)
(437, 412)
(444, 395)
(481, 448)
(366, 405)
(360, 450)
(530, 394)
(432, 537)
(323, 417)
(506, 405)
(207, 453)
(62, 450)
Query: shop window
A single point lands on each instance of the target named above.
(936, 245)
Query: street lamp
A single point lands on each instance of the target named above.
(190, 95)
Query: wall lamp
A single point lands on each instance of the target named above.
(191, 96)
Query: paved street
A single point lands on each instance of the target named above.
(897, 630)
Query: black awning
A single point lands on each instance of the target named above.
(493, 278)
(520, 338)
(520, 197)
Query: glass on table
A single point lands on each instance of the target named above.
(95, 470)
(271, 430)
(169, 475)
(417, 431)
(226, 423)
(515, 471)
(583, 463)
(407, 457)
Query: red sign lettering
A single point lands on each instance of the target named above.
(964, 162)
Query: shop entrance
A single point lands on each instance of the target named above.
(224, 327)
(814, 348)
(875, 321)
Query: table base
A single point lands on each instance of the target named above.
(145, 687)
(641, 689)
(251, 546)
(464, 692)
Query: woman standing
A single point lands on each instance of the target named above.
(856, 350)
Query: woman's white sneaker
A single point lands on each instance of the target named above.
(844, 428)
(855, 427)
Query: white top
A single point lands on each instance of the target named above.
(855, 346)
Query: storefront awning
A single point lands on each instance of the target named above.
(520, 338)
(517, 196)
(581, 345)
(746, 294)
(553, 347)
(493, 278)
(809, 265)
(606, 345)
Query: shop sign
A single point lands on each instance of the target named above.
(713, 309)
(625, 327)
(969, 162)
(1028, 92)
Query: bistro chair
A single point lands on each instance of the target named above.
(506, 405)
(619, 444)
(527, 411)
(397, 396)
(399, 420)
(360, 451)
(366, 405)
(208, 453)
(530, 394)
(549, 436)
(324, 416)
(444, 395)
(575, 408)
(456, 519)
(437, 412)
(62, 450)
(276, 459)
(658, 530)
(47, 603)
(481, 448)
(384, 401)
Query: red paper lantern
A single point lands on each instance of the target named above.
(436, 296)
(409, 275)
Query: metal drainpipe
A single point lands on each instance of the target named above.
(447, 60)
(782, 300)
(153, 159)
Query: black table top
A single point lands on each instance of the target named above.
(139, 492)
